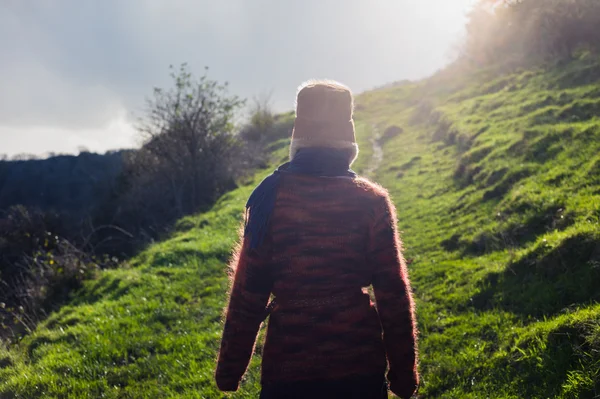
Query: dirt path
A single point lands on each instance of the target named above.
(377, 156)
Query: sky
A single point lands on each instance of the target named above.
(75, 73)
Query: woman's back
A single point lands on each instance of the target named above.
(320, 230)
(323, 322)
(315, 237)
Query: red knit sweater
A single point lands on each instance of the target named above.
(329, 238)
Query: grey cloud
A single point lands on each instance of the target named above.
(74, 64)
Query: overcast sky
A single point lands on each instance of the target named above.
(76, 72)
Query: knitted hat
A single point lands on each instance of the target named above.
(324, 118)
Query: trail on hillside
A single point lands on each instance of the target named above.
(377, 157)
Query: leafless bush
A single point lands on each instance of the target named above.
(188, 158)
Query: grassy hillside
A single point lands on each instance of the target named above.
(496, 177)
(497, 182)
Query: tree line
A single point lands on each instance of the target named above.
(525, 31)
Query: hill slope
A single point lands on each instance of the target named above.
(496, 177)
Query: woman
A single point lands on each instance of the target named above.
(316, 235)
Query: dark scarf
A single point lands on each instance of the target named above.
(324, 162)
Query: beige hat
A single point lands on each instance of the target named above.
(324, 117)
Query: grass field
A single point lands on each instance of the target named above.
(496, 177)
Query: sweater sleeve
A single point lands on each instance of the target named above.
(248, 299)
(394, 300)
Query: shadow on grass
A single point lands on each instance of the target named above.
(567, 350)
(546, 280)
(512, 235)
(107, 287)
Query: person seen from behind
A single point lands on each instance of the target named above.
(315, 236)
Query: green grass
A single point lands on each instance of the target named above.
(148, 330)
(496, 177)
(497, 187)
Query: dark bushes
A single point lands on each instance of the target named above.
(68, 184)
(38, 268)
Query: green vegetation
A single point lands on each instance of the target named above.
(149, 329)
(62, 217)
(525, 31)
(496, 176)
(496, 182)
